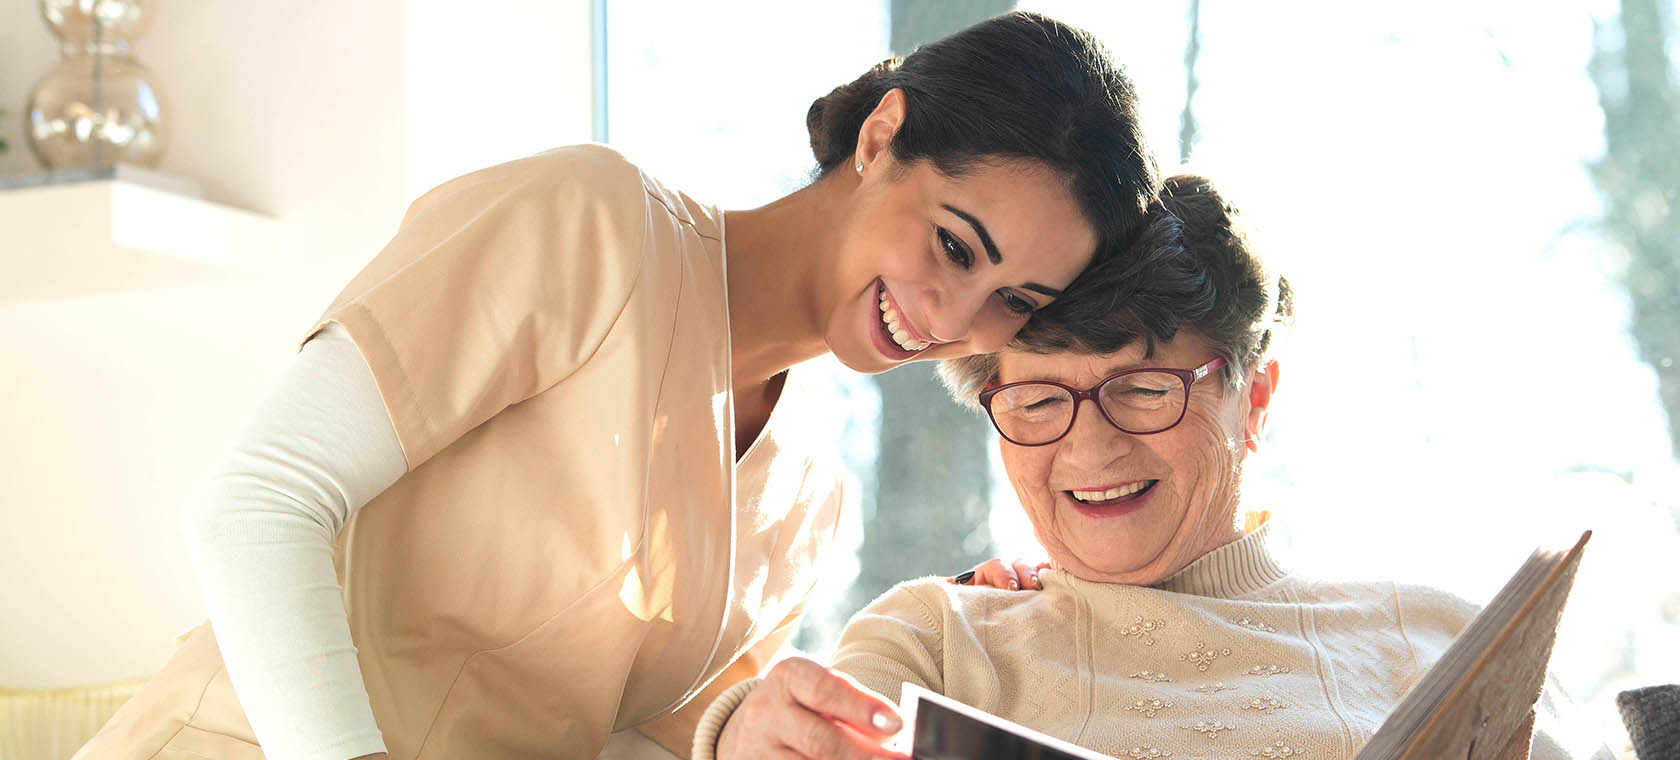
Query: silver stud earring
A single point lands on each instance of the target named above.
(860, 166)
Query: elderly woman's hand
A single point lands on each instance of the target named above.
(804, 710)
(996, 573)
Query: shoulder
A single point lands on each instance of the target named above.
(925, 607)
(946, 605)
(1426, 615)
(594, 172)
(924, 599)
(577, 184)
(591, 171)
(905, 635)
(1435, 606)
(1415, 602)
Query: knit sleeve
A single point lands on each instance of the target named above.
(1430, 618)
(716, 716)
(898, 638)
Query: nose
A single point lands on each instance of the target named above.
(1093, 442)
(952, 313)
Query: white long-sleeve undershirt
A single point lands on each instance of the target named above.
(259, 529)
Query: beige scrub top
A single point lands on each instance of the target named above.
(574, 549)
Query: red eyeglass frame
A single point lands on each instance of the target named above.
(1186, 376)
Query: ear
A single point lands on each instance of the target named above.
(1261, 385)
(879, 127)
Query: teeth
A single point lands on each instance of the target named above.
(1112, 493)
(901, 336)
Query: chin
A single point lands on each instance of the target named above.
(864, 357)
(1117, 558)
(862, 369)
(1111, 566)
(860, 359)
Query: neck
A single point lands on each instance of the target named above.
(777, 258)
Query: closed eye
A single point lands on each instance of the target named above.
(954, 249)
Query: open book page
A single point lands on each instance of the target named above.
(937, 727)
(1478, 701)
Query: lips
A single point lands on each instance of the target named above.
(894, 335)
(1096, 502)
(1112, 494)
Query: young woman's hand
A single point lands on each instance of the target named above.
(804, 710)
(1015, 576)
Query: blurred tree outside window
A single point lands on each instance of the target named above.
(1639, 176)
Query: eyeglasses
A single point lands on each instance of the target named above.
(1138, 401)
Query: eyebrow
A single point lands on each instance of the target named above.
(979, 229)
(992, 251)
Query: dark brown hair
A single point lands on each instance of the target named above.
(1193, 266)
(1251, 302)
(1016, 86)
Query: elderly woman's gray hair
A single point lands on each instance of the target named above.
(1192, 266)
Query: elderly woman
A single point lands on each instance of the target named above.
(1163, 629)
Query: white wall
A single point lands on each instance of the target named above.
(26, 52)
(493, 80)
(327, 116)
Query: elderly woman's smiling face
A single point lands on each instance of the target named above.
(1192, 471)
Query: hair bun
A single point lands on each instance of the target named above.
(834, 119)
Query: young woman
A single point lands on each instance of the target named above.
(527, 483)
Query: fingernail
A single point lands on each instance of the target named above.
(1034, 577)
(1013, 586)
(963, 578)
(883, 722)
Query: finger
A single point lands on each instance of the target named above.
(833, 694)
(756, 728)
(818, 738)
(880, 747)
(1045, 565)
(1028, 575)
(1000, 575)
(994, 573)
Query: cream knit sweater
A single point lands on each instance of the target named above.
(1232, 657)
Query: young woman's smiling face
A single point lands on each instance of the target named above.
(1186, 479)
(934, 266)
(937, 266)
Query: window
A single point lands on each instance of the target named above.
(1480, 353)
(1474, 202)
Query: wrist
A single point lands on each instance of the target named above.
(716, 717)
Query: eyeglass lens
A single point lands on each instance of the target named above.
(1137, 402)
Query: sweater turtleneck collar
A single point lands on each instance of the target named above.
(1234, 570)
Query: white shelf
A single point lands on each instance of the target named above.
(115, 235)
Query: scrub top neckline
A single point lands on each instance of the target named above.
(737, 458)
